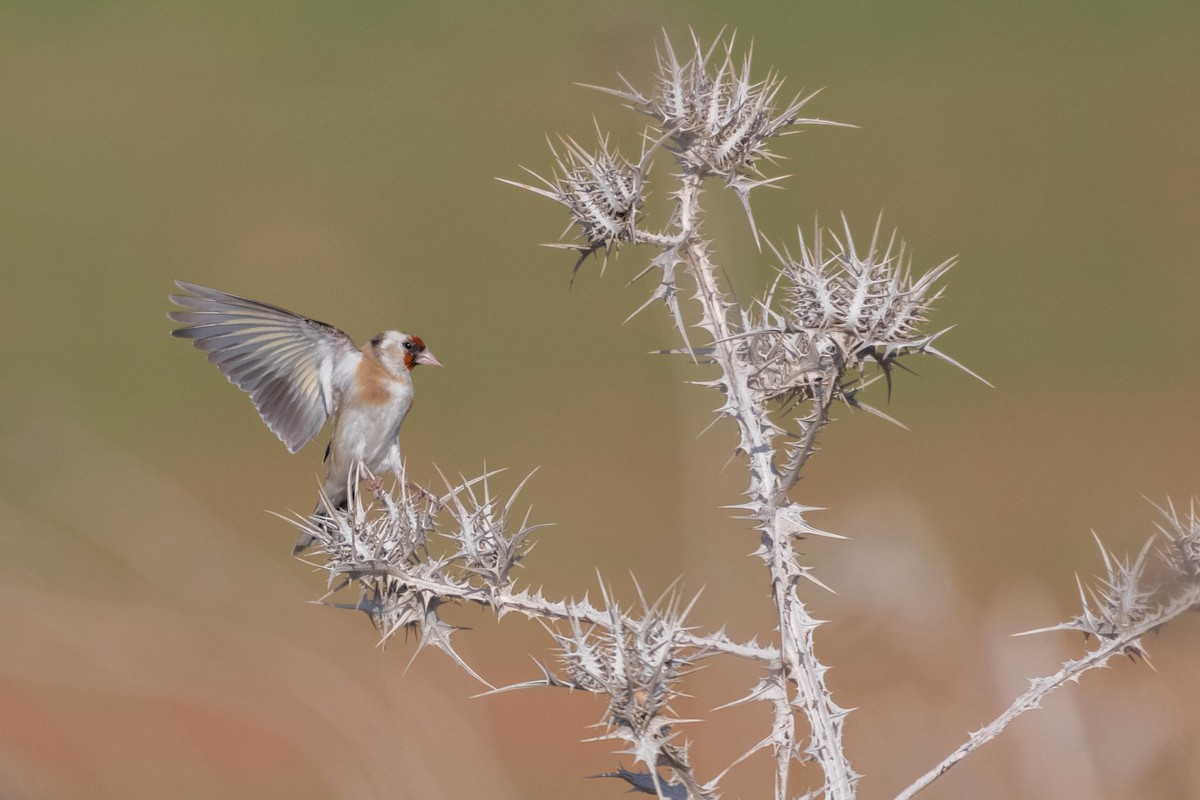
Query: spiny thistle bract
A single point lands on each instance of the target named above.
(1119, 601)
(1182, 532)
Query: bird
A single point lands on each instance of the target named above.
(299, 372)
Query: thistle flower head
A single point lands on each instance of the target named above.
(637, 664)
(602, 190)
(869, 300)
(1135, 596)
(1120, 599)
(719, 119)
(832, 310)
(380, 528)
(840, 310)
(487, 544)
(716, 118)
(1118, 604)
(378, 545)
(1182, 532)
(792, 367)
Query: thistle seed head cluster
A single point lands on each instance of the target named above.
(408, 554)
(637, 664)
(386, 547)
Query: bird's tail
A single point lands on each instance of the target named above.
(302, 544)
(320, 516)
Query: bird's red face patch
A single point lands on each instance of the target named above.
(412, 347)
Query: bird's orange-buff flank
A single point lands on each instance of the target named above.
(300, 372)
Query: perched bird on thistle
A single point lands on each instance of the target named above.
(300, 372)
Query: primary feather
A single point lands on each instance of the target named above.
(295, 369)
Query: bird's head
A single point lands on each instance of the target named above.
(402, 351)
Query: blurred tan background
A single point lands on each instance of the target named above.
(338, 160)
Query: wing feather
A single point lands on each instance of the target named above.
(292, 367)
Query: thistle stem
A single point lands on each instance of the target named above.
(767, 496)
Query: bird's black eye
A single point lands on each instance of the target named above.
(410, 347)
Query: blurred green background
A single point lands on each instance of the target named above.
(339, 160)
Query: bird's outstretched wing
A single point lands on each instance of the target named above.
(293, 367)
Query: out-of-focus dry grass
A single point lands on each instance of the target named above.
(154, 636)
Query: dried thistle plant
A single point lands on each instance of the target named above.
(837, 319)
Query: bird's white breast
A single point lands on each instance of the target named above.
(369, 420)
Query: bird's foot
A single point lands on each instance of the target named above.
(420, 491)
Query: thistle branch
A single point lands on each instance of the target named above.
(1118, 613)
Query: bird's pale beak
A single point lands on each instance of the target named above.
(426, 357)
